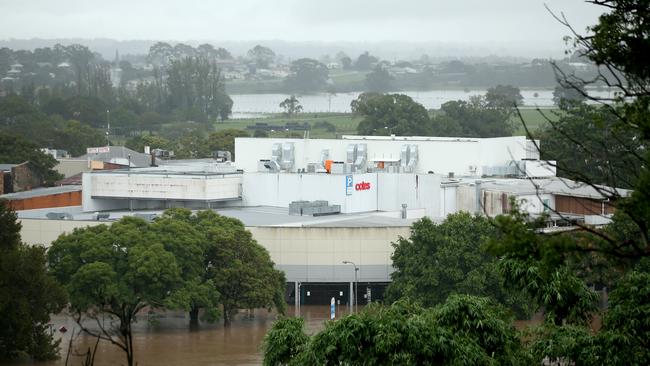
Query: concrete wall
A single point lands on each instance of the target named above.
(440, 155)
(112, 191)
(306, 254)
(309, 254)
(70, 167)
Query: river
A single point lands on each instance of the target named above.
(253, 105)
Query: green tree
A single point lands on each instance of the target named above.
(379, 80)
(463, 330)
(261, 56)
(565, 96)
(196, 85)
(365, 61)
(178, 230)
(225, 140)
(504, 96)
(391, 114)
(474, 118)
(241, 269)
(291, 106)
(589, 145)
(439, 260)
(28, 295)
(307, 75)
(14, 149)
(112, 273)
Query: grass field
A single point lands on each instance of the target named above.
(346, 124)
(533, 118)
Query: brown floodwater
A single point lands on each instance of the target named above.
(170, 341)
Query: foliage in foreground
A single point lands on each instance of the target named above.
(28, 295)
(438, 260)
(463, 330)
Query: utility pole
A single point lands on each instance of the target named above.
(356, 284)
(108, 127)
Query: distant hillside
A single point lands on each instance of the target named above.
(389, 50)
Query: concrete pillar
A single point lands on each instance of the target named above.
(351, 301)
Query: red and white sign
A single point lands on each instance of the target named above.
(98, 150)
(362, 186)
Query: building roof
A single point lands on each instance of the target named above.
(40, 192)
(138, 159)
(7, 167)
(259, 216)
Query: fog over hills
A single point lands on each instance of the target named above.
(389, 50)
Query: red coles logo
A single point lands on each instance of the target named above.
(363, 186)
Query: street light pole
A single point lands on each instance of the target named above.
(356, 285)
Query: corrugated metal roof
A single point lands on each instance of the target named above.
(138, 159)
(40, 192)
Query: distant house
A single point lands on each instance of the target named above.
(333, 65)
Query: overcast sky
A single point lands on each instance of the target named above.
(454, 21)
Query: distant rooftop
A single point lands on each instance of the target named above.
(6, 167)
(38, 192)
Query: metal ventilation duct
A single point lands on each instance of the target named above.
(288, 156)
(276, 157)
(324, 156)
(351, 153)
(357, 157)
(408, 158)
(413, 157)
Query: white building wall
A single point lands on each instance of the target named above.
(280, 189)
(387, 191)
(439, 155)
(448, 196)
(415, 190)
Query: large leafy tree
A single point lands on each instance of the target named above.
(291, 106)
(14, 149)
(463, 330)
(379, 80)
(439, 260)
(196, 84)
(261, 56)
(241, 269)
(178, 232)
(112, 273)
(28, 295)
(391, 114)
(307, 75)
(478, 117)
